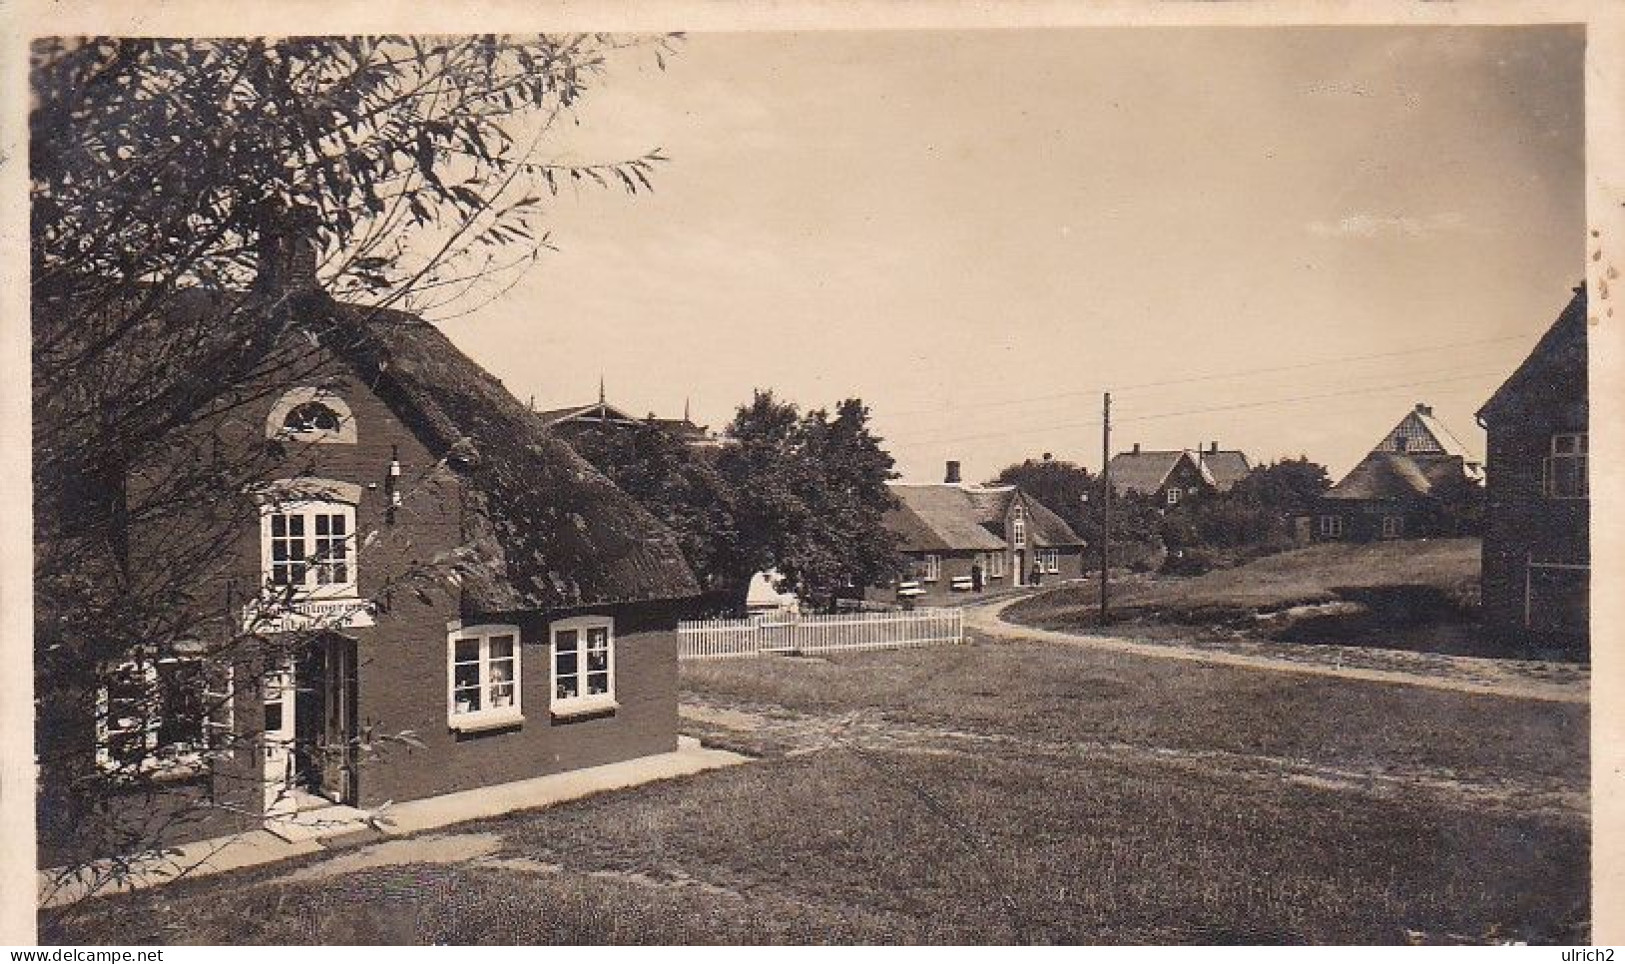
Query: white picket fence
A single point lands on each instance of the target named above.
(838, 632)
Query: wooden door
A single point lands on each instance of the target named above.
(337, 738)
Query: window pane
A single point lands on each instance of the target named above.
(338, 525)
(565, 664)
(468, 651)
(564, 639)
(321, 524)
(466, 674)
(597, 683)
(181, 703)
(597, 660)
(501, 647)
(279, 525)
(296, 525)
(567, 688)
(466, 700)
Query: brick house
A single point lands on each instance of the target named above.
(1536, 555)
(1169, 477)
(424, 591)
(950, 534)
(1397, 490)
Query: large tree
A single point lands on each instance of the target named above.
(809, 495)
(166, 175)
(1077, 496)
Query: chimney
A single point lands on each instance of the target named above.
(1136, 448)
(1048, 456)
(287, 250)
(1422, 409)
(952, 476)
(1213, 448)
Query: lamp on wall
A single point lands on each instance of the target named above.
(392, 484)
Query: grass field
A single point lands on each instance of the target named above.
(1406, 594)
(992, 794)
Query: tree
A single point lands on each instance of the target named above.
(1254, 515)
(810, 493)
(683, 489)
(166, 177)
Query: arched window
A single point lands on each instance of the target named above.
(311, 415)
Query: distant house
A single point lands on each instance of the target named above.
(1537, 561)
(601, 415)
(1395, 491)
(951, 531)
(384, 447)
(1172, 476)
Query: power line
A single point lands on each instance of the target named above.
(1204, 410)
(1219, 376)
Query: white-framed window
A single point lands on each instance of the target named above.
(583, 665)
(995, 565)
(930, 567)
(1331, 526)
(1564, 471)
(1173, 496)
(1393, 526)
(308, 548)
(482, 677)
(1018, 528)
(308, 414)
(1049, 560)
(153, 715)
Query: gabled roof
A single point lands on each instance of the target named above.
(596, 411)
(955, 516)
(548, 529)
(1421, 432)
(1225, 467)
(1560, 352)
(1147, 471)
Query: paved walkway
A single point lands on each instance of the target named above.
(1509, 678)
(220, 854)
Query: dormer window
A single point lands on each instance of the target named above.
(314, 415)
(1018, 529)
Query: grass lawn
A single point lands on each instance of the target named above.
(996, 793)
(1417, 594)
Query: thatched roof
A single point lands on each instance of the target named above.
(954, 516)
(1396, 476)
(549, 529)
(1555, 362)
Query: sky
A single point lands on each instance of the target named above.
(979, 232)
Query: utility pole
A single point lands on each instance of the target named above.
(1105, 498)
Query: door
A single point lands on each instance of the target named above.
(1019, 557)
(336, 741)
(277, 741)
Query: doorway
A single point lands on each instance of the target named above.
(310, 731)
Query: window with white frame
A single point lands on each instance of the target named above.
(1173, 496)
(483, 677)
(1331, 526)
(583, 665)
(1049, 560)
(930, 567)
(309, 548)
(153, 715)
(1018, 528)
(1564, 471)
(1393, 526)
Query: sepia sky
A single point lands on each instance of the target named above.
(978, 231)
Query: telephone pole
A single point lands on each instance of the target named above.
(1105, 498)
